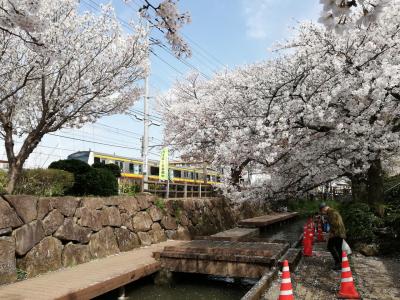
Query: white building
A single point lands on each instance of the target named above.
(4, 165)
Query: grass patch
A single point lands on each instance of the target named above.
(21, 274)
(160, 203)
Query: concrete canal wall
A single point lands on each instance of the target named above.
(38, 235)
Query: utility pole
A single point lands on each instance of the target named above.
(146, 134)
(146, 128)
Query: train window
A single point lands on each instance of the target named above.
(154, 171)
(177, 173)
(97, 160)
(190, 175)
(218, 179)
(208, 178)
(120, 164)
(131, 168)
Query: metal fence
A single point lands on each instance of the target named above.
(181, 190)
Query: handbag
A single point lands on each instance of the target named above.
(346, 247)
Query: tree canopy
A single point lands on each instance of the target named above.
(327, 107)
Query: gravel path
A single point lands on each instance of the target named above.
(375, 278)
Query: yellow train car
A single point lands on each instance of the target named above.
(132, 168)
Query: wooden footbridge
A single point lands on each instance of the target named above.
(267, 220)
(237, 252)
(223, 258)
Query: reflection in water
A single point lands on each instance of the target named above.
(289, 231)
(186, 287)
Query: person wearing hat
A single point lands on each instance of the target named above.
(336, 234)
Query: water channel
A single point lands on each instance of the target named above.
(204, 287)
(289, 231)
(185, 287)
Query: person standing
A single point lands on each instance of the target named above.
(336, 234)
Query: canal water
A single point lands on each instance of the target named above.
(289, 231)
(185, 287)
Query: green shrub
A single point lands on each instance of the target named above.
(74, 166)
(360, 222)
(3, 181)
(44, 182)
(392, 219)
(99, 182)
(89, 181)
(306, 208)
(112, 167)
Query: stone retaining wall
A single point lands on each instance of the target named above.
(44, 234)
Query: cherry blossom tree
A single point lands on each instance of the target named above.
(329, 108)
(90, 69)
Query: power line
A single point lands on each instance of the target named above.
(116, 128)
(123, 130)
(185, 62)
(94, 142)
(204, 50)
(99, 137)
(167, 63)
(99, 143)
(153, 117)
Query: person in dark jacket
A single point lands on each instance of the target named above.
(336, 234)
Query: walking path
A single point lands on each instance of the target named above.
(376, 278)
(88, 280)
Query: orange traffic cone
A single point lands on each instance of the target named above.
(307, 246)
(310, 234)
(286, 292)
(320, 234)
(347, 288)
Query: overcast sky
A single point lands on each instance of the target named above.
(223, 33)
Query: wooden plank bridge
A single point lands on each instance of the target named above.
(222, 258)
(267, 220)
(237, 252)
(90, 279)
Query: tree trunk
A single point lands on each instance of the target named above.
(358, 188)
(236, 173)
(375, 189)
(16, 162)
(13, 175)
